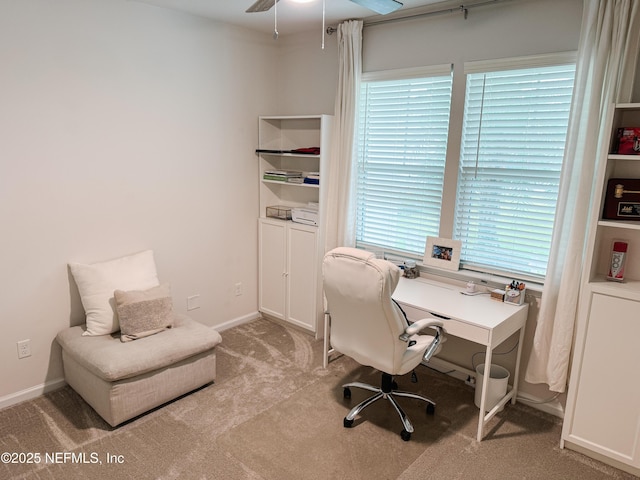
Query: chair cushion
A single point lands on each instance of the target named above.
(97, 282)
(110, 359)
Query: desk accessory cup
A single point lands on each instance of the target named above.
(514, 293)
(411, 269)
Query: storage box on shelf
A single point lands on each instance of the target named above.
(279, 211)
(293, 153)
(602, 417)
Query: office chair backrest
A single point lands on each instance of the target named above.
(365, 322)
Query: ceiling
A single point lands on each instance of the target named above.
(292, 17)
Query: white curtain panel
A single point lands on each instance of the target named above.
(340, 206)
(607, 55)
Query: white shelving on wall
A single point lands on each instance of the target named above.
(290, 254)
(602, 418)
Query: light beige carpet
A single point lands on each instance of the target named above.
(275, 414)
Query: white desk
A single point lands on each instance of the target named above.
(475, 318)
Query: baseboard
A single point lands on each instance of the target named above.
(551, 407)
(451, 369)
(31, 392)
(237, 321)
(38, 390)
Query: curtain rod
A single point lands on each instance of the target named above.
(464, 9)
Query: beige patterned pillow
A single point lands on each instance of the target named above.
(144, 312)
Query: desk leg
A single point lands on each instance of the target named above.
(485, 388)
(516, 373)
(327, 344)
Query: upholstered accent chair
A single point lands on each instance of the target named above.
(134, 352)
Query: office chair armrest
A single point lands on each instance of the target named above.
(421, 324)
(435, 344)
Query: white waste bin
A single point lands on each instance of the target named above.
(496, 387)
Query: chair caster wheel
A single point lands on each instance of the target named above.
(347, 423)
(346, 393)
(406, 436)
(431, 409)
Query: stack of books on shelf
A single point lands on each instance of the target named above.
(312, 178)
(291, 176)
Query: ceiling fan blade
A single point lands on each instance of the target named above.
(261, 6)
(380, 6)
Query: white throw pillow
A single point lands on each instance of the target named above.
(97, 282)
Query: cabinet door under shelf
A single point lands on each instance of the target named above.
(288, 272)
(272, 268)
(606, 418)
(302, 275)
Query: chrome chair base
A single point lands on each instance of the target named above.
(386, 391)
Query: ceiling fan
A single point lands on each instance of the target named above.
(379, 6)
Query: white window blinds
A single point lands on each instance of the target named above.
(401, 149)
(515, 125)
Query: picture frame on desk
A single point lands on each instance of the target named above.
(442, 253)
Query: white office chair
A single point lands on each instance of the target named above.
(368, 326)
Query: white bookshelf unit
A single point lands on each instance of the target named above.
(602, 418)
(290, 253)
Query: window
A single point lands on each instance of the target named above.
(401, 153)
(505, 178)
(513, 139)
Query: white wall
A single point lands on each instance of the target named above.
(123, 127)
(307, 74)
(511, 28)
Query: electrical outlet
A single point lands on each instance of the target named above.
(193, 302)
(238, 289)
(24, 348)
